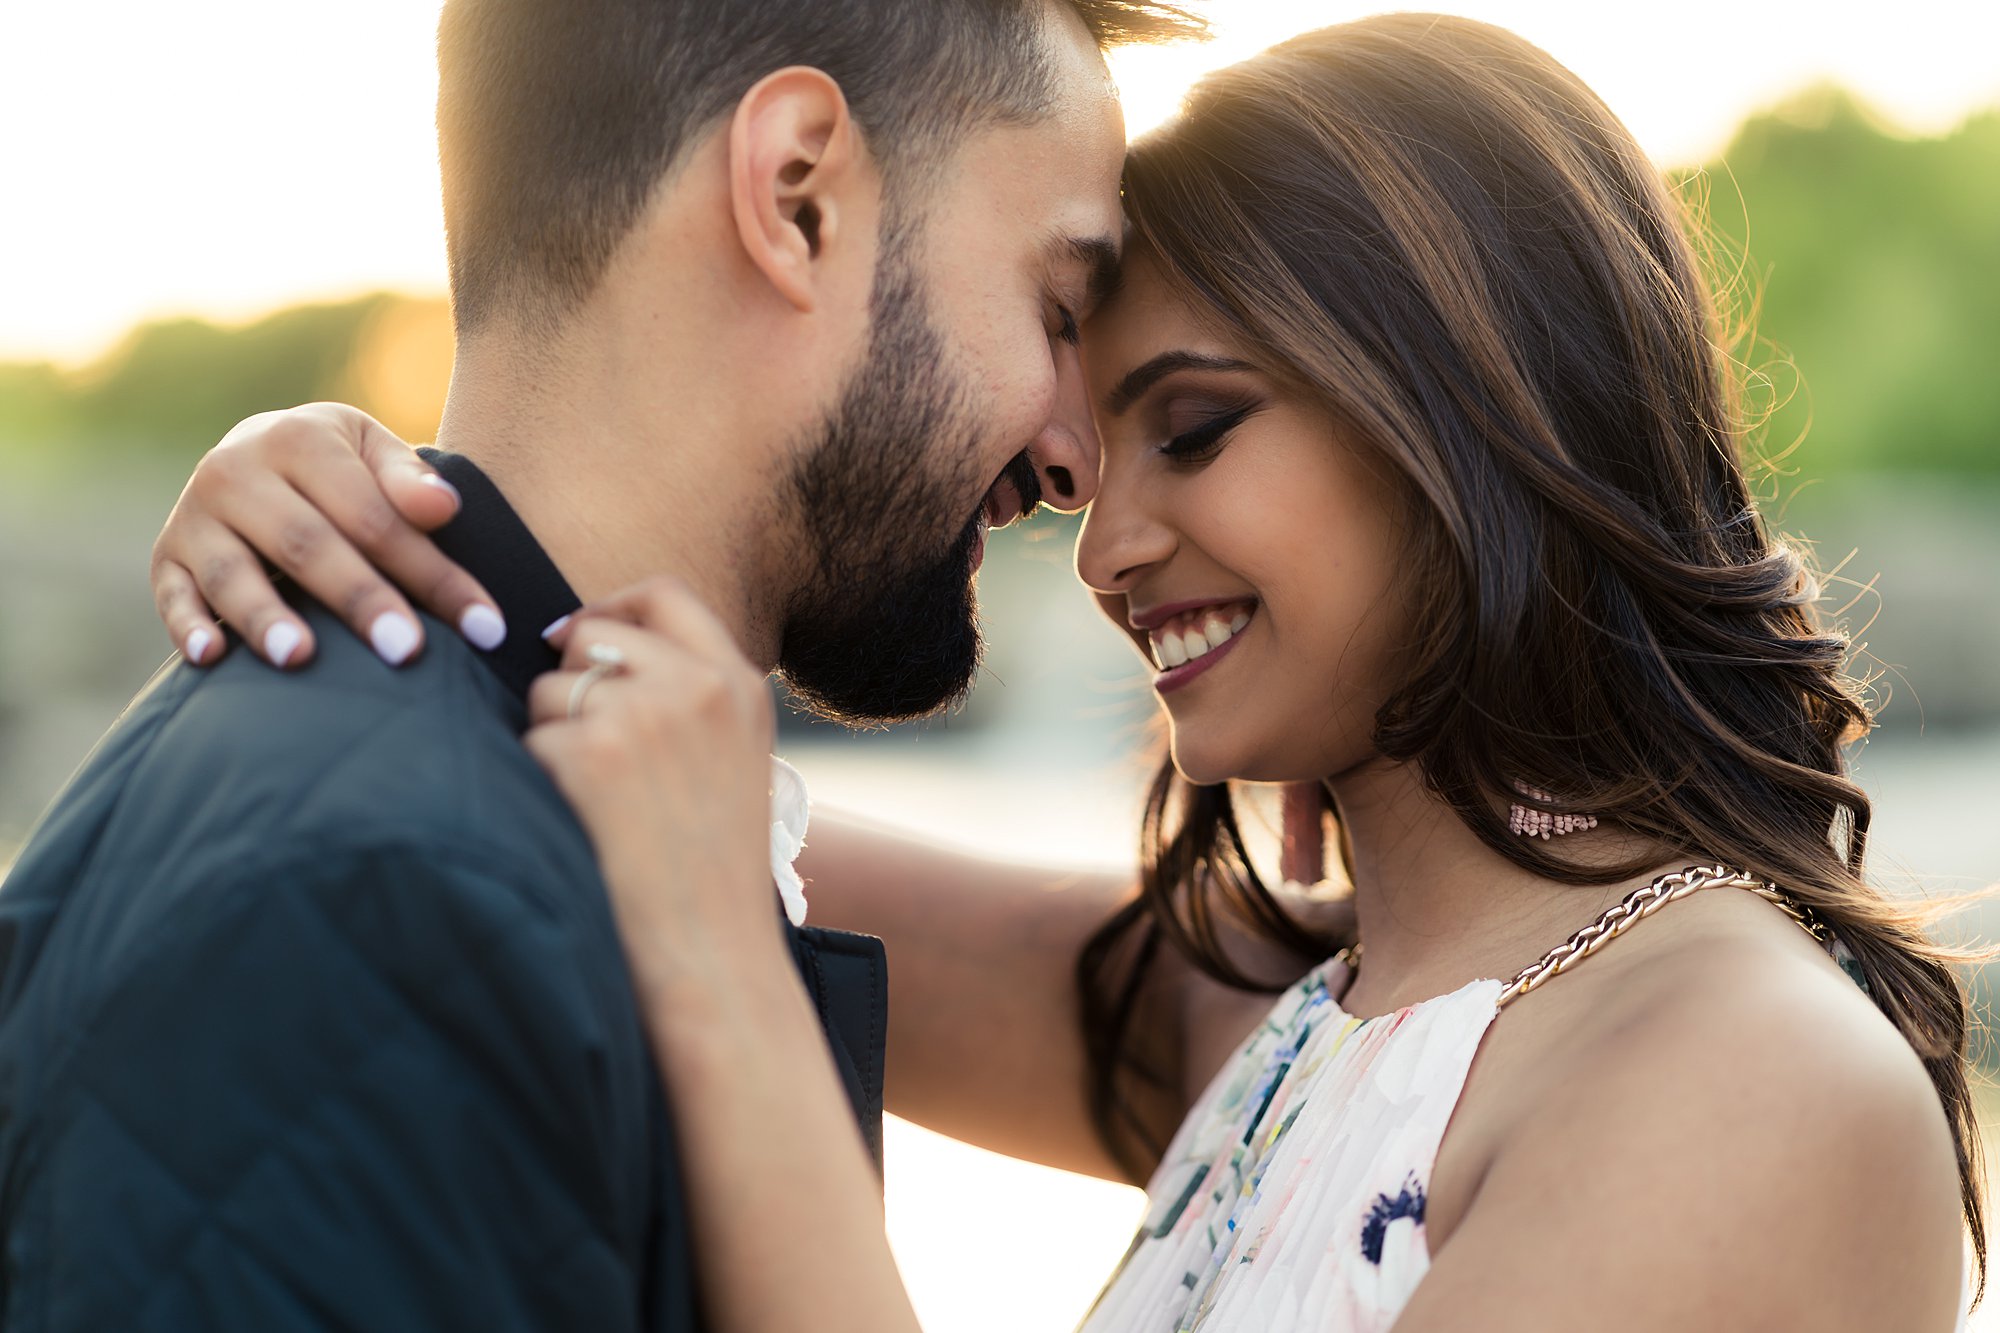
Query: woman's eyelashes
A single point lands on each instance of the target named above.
(1066, 327)
(1205, 439)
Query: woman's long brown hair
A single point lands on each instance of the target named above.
(1444, 235)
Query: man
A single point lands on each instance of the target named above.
(312, 1010)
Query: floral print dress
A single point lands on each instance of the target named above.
(1292, 1197)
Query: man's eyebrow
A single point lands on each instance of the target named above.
(1099, 256)
(1126, 392)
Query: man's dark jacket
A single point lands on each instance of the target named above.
(313, 1014)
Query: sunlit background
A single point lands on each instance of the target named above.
(223, 206)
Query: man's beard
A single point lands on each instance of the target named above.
(884, 627)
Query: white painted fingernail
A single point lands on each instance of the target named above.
(482, 627)
(436, 482)
(555, 627)
(394, 636)
(281, 641)
(199, 641)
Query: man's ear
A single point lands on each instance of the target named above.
(793, 168)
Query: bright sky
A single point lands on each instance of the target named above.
(224, 157)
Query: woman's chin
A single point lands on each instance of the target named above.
(1190, 762)
(1205, 763)
(1208, 759)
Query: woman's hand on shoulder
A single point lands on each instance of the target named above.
(665, 754)
(1736, 1152)
(334, 500)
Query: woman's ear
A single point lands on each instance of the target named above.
(793, 173)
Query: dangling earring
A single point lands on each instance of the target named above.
(1544, 824)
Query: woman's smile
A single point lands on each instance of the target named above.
(1173, 678)
(1188, 641)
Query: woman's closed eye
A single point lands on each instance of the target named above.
(1204, 439)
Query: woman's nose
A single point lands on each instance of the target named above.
(1121, 539)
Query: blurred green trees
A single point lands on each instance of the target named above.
(173, 388)
(1873, 261)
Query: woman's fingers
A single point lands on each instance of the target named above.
(641, 654)
(661, 633)
(269, 516)
(551, 696)
(337, 502)
(380, 497)
(228, 577)
(364, 554)
(664, 605)
(301, 540)
(425, 499)
(187, 617)
(694, 682)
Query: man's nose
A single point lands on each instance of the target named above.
(1067, 468)
(1066, 454)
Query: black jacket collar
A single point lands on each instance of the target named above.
(489, 540)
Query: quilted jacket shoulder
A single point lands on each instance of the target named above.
(313, 1015)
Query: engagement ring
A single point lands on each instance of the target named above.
(604, 661)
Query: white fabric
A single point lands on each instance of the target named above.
(1292, 1197)
(791, 811)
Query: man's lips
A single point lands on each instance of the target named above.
(1003, 504)
(1005, 501)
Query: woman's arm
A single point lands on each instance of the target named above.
(665, 762)
(985, 1031)
(788, 1219)
(985, 1039)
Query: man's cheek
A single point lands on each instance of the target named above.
(1021, 406)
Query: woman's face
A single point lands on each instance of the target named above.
(1241, 541)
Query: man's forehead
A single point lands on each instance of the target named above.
(1055, 178)
(1072, 155)
(1075, 58)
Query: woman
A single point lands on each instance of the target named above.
(1422, 484)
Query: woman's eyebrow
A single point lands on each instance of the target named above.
(1127, 391)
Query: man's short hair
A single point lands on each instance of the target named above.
(557, 118)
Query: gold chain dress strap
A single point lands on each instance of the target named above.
(1643, 902)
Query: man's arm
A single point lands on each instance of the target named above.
(355, 1089)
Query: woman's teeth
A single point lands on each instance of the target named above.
(1186, 638)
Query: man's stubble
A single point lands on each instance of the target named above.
(884, 627)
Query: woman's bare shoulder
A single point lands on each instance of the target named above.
(1733, 993)
(1724, 1091)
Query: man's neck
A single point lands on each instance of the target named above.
(605, 507)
